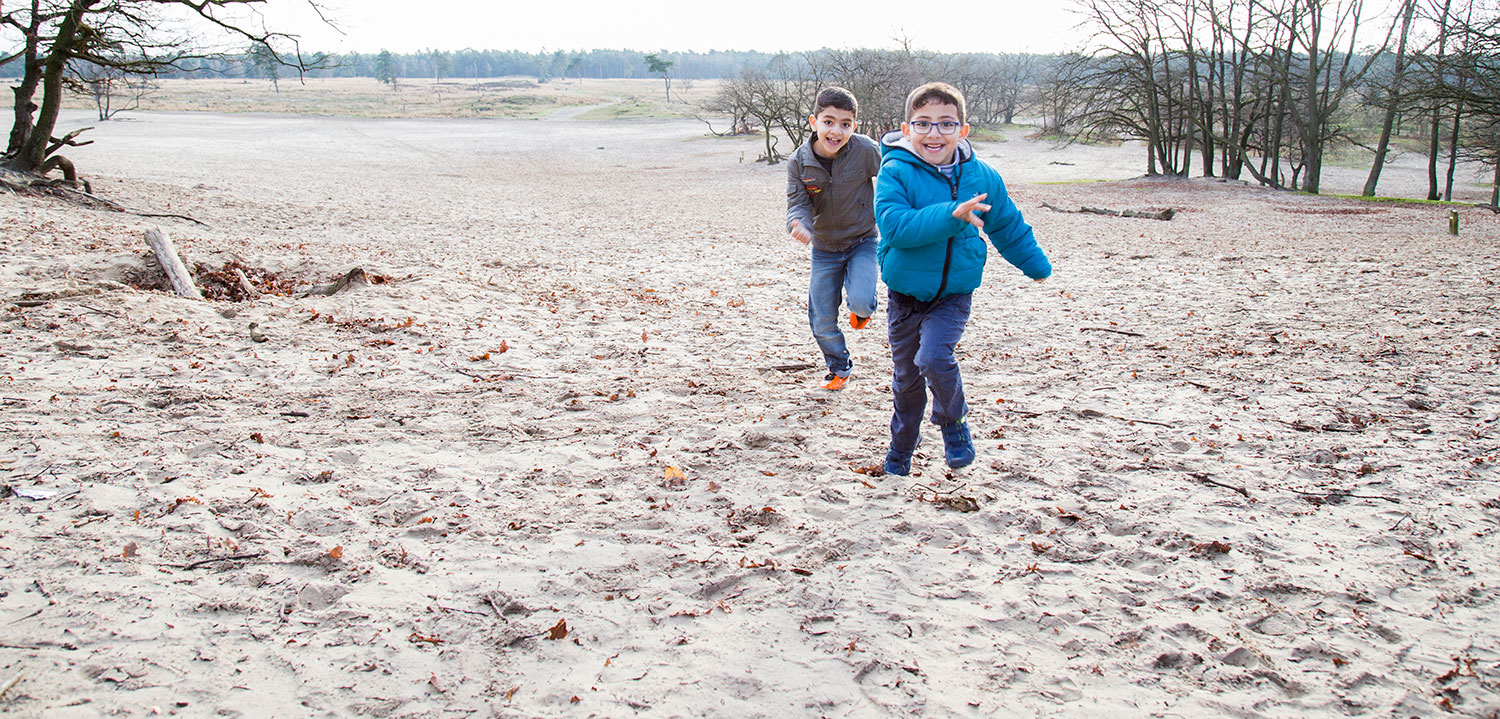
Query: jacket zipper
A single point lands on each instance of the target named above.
(948, 257)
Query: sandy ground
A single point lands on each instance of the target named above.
(566, 455)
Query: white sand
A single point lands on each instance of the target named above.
(590, 397)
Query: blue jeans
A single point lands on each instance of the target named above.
(923, 337)
(834, 274)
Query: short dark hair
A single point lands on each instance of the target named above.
(836, 97)
(935, 93)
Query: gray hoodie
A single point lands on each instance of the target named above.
(839, 207)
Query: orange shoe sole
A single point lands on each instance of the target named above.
(837, 383)
(858, 322)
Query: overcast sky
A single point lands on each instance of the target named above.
(679, 25)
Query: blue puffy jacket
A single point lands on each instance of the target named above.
(925, 251)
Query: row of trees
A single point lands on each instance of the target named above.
(1269, 88)
(777, 96)
(1259, 88)
(470, 63)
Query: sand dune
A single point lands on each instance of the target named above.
(564, 452)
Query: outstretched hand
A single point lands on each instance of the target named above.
(800, 233)
(967, 211)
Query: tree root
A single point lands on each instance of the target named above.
(66, 188)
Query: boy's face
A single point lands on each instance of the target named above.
(832, 128)
(933, 146)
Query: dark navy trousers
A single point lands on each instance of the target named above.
(923, 337)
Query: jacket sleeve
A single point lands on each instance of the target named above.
(1012, 236)
(798, 205)
(902, 224)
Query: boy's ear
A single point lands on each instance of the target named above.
(906, 130)
(812, 121)
(963, 132)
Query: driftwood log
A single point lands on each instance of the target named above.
(1166, 214)
(166, 256)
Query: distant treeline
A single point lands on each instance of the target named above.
(485, 63)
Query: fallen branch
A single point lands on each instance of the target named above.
(1204, 478)
(1336, 496)
(1166, 214)
(1097, 413)
(211, 560)
(171, 264)
(10, 685)
(245, 285)
(1106, 329)
(788, 367)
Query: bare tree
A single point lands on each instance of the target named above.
(1241, 78)
(1463, 82)
(1392, 103)
(1129, 79)
(775, 97)
(112, 91)
(879, 78)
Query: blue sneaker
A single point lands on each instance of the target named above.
(898, 463)
(958, 447)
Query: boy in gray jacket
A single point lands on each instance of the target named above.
(830, 205)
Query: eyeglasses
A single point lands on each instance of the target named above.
(946, 127)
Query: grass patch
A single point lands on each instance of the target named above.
(986, 134)
(1392, 200)
(623, 110)
(1072, 182)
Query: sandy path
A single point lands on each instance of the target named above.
(1239, 463)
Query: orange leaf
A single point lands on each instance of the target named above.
(336, 552)
(426, 520)
(559, 630)
(130, 550)
(504, 347)
(674, 473)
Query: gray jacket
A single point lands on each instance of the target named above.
(839, 209)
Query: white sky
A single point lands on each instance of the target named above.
(679, 25)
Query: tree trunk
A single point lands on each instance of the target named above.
(1393, 98)
(1311, 124)
(1453, 154)
(1437, 121)
(33, 150)
(1495, 189)
(25, 93)
(1432, 156)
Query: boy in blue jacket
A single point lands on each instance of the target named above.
(933, 197)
